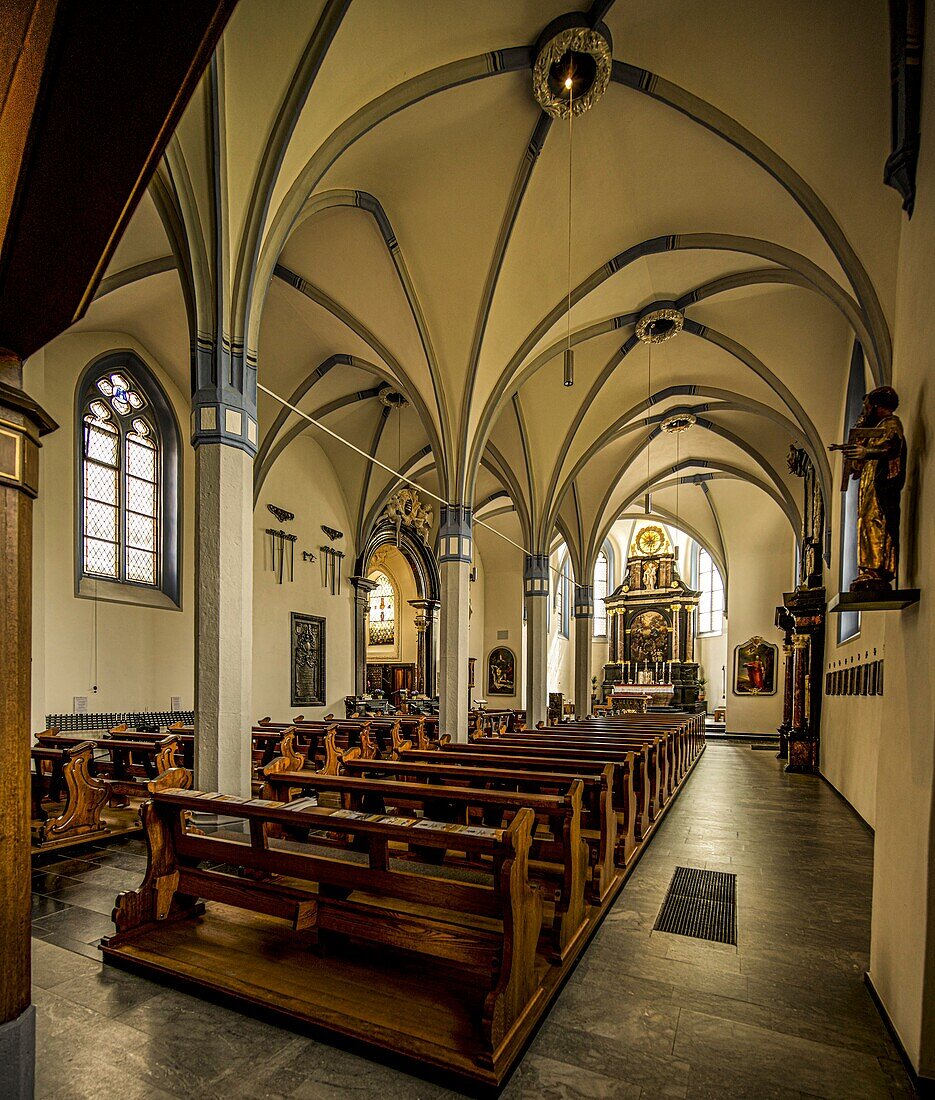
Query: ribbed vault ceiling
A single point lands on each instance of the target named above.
(392, 213)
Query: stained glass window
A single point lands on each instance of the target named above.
(711, 601)
(382, 611)
(121, 491)
(601, 580)
(565, 599)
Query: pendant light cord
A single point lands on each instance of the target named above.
(401, 477)
(649, 401)
(570, 135)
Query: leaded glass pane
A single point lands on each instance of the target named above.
(100, 557)
(141, 566)
(121, 505)
(141, 531)
(101, 443)
(382, 611)
(100, 521)
(600, 595)
(141, 496)
(141, 458)
(100, 483)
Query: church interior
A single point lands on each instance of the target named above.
(465, 508)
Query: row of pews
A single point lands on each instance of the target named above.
(88, 786)
(391, 888)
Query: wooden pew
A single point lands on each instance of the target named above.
(58, 772)
(639, 761)
(611, 840)
(662, 752)
(486, 932)
(129, 767)
(682, 729)
(559, 862)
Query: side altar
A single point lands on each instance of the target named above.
(651, 627)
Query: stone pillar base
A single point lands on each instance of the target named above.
(803, 755)
(18, 1055)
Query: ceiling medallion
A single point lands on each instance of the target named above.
(393, 400)
(572, 67)
(659, 325)
(678, 422)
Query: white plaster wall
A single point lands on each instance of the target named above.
(851, 725)
(303, 481)
(711, 654)
(561, 653)
(503, 611)
(760, 545)
(144, 655)
(477, 636)
(902, 952)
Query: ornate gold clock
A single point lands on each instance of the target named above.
(650, 540)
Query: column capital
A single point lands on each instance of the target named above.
(22, 422)
(584, 601)
(536, 575)
(454, 533)
(224, 397)
(429, 607)
(363, 586)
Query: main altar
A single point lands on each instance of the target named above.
(651, 627)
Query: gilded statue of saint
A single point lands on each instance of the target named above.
(876, 454)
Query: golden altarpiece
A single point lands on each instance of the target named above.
(651, 626)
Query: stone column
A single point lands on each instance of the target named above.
(584, 631)
(431, 647)
(362, 589)
(802, 742)
(425, 645)
(22, 421)
(536, 594)
(454, 563)
(224, 436)
(786, 701)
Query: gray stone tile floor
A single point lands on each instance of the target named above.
(646, 1014)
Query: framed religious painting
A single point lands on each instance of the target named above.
(755, 667)
(501, 672)
(308, 660)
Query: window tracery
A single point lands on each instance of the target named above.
(120, 483)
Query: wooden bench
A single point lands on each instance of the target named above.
(558, 861)
(63, 776)
(611, 841)
(635, 787)
(129, 767)
(486, 932)
(661, 754)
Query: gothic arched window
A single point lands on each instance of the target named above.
(711, 600)
(382, 611)
(127, 521)
(601, 585)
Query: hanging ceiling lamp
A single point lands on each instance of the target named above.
(676, 425)
(570, 74)
(655, 325)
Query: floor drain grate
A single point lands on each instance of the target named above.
(702, 904)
